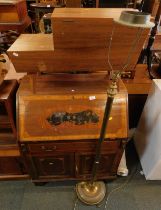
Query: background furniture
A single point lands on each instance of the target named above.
(14, 15)
(116, 3)
(73, 3)
(151, 6)
(44, 7)
(7, 98)
(14, 20)
(11, 162)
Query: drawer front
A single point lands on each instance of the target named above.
(59, 166)
(50, 148)
(84, 164)
(91, 146)
(45, 148)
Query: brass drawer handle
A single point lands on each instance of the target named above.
(47, 149)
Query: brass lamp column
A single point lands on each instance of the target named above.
(93, 192)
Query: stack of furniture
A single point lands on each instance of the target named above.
(60, 104)
(78, 44)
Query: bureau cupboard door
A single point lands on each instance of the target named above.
(84, 163)
(59, 166)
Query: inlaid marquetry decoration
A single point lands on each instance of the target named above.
(78, 118)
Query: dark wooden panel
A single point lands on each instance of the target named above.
(11, 166)
(84, 163)
(55, 166)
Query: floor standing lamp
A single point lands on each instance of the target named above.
(93, 192)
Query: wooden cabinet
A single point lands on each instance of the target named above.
(59, 122)
(71, 159)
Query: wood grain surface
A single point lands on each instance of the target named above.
(12, 11)
(68, 93)
(36, 53)
(81, 43)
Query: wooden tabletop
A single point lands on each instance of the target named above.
(33, 42)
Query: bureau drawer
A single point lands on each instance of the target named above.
(49, 148)
(106, 146)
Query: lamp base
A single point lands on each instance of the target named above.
(91, 194)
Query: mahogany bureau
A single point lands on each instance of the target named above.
(59, 120)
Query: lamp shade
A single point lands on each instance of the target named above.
(135, 19)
